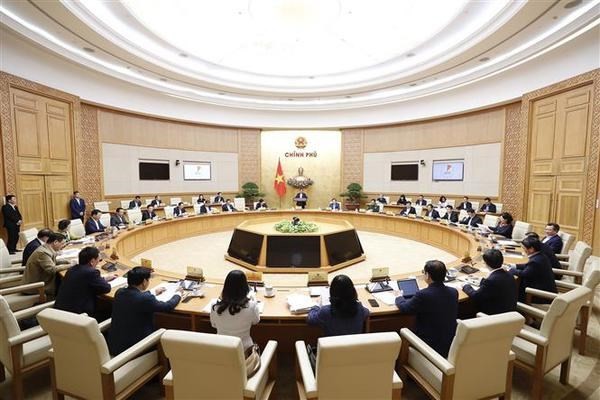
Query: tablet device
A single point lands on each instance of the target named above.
(409, 287)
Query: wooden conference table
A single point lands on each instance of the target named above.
(276, 320)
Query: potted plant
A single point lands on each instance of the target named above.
(249, 192)
(353, 196)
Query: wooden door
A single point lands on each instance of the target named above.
(58, 189)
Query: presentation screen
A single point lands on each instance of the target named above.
(343, 246)
(449, 170)
(405, 172)
(196, 171)
(294, 251)
(154, 170)
(245, 246)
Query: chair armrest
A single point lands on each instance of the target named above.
(541, 293)
(564, 264)
(18, 262)
(26, 336)
(308, 376)
(259, 380)
(438, 361)
(31, 311)
(567, 285)
(567, 272)
(562, 257)
(11, 269)
(533, 337)
(396, 381)
(117, 362)
(527, 309)
(21, 288)
(168, 379)
(104, 325)
(481, 315)
(11, 279)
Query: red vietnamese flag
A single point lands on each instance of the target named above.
(279, 183)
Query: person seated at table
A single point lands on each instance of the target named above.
(488, 206)
(201, 199)
(148, 213)
(260, 204)
(334, 205)
(118, 218)
(472, 219)
(443, 202)
(552, 238)
(156, 202)
(205, 208)
(373, 206)
(381, 199)
(498, 292)
(219, 199)
(42, 238)
(547, 251)
(179, 211)
(409, 209)
(42, 266)
(401, 200)
(82, 283)
(451, 215)
(435, 308)
(505, 226)
(234, 312)
(421, 201)
(536, 272)
(93, 224)
(228, 207)
(465, 205)
(63, 229)
(135, 203)
(133, 310)
(432, 212)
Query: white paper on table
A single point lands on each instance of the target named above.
(68, 253)
(171, 289)
(508, 254)
(118, 281)
(508, 243)
(388, 298)
(299, 303)
(322, 292)
(455, 284)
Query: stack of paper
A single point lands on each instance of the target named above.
(171, 289)
(299, 303)
(508, 243)
(386, 297)
(119, 281)
(68, 253)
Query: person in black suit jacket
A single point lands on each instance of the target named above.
(82, 283)
(260, 204)
(42, 237)
(219, 198)
(421, 201)
(204, 209)
(432, 212)
(465, 205)
(498, 292)
(77, 206)
(552, 239)
(450, 215)
(148, 213)
(472, 219)
(303, 196)
(12, 222)
(334, 205)
(179, 211)
(133, 311)
(381, 199)
(228, 207)
(408, 210)
(548, 252)
(435, 307)
(201, 199)
(401, 200)
(156, 202)
(537, 272)
(504, 227)
(118, 218)
(135, 203)
(93, 224)
(488, 206)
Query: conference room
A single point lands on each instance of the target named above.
(300, 199)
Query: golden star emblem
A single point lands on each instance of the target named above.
(279, 179)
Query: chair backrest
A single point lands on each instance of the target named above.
(5, 261)
(428, 201)
(79, 351)
(239, 203)
(202, 362)
(168, 212)
(409, 199)
(591, 275)
(387, 199)
(9, 327)
(135, 216)
(451, 202)
(442, 211)
(357, 366)
(559, 323)
(579, 256)
(520, 229)
(28, 235)
(462, 215)
(499, 207)
(480, 353)
(125, 204)
(102, 206)
(490, 220)
(105, 219)
(148, 201)
(197, 208)
(475, 205)
(76, 229)
(567, 239)
(174, 201)
(419, 210)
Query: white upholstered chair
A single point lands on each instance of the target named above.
(576, 259)
(491, 220)
(134, 216)
(479, 364)
(12, 292)
(103, 206)
(209, 366)
(105, 219)
(124, 204)
(21, 351)
(568, 240)
(499, 207)
(475, 205)
(76, 229)
(351, 367)
(27, 236)
(451, 202)
(520, 229)
(81, 366)
(168, 212)
(148, 201)
(174, 201)
(539, 351)
(5, 260)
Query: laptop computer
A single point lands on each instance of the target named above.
(409, 287)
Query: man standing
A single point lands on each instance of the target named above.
(301, 199)
(42, 265)
(552, 239)
(118, 218)
(42, 238)
(12, 222)
(77, 205)
(93, 224)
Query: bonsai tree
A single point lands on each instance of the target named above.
(250, 191)
(354, 194)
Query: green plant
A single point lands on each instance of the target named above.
(301, 227)
(354, 193)
(250, 191)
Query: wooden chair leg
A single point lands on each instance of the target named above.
(17, 385)
(2, 373)
(565, 367)
(509, 375)
(396, 394)
(584, 318)
(537, 384)
(55, 394)
(169, 395)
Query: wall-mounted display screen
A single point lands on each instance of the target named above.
(405, 172)
(343, 246)
(154, 170)
(245, 246)
(448, 170)
(294, 251)
(196, 171)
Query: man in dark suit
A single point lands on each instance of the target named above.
(488, 206)
(547, 251)
(135, 203)
(335, 205)
(148, 213)
(179, 211)
(552, 239)
(409, 209)
(82, 283)
(465, 205)
(472, 219)
(93, 224)
(133, 311)
(42, 238)
(228, 207)
(260, 204)
(204, 209)
(12, 222)
(432, 212)
(118, 218)
(381, 199)
(498, 292)
(156, 202)
(450, 215)
(537, 272)
(77, 206)
(421, 201)
(505, 226)
(435, 307)
(303, 198)
(219, 198)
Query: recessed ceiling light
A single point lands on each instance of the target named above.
(410, 54)
(89, 49)
(573, 4)
(484, 59)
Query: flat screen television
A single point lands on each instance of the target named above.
(448, 170)
(154, 171)
(245, 246)
(294, 251)
(343, 246)
(196, 171)
(405, 172)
